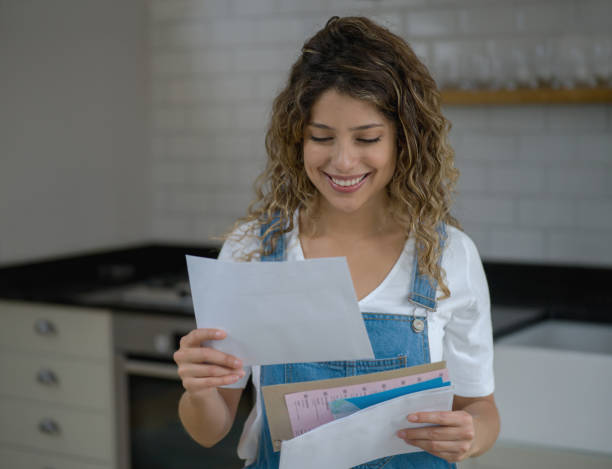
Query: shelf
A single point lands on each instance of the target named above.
(455, 97)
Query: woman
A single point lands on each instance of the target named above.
(359, 166)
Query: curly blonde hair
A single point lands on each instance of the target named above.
(363, 60)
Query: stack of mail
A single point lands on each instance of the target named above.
(344, 422)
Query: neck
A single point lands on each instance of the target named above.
(370, 220)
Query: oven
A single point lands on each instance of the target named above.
(148, 388)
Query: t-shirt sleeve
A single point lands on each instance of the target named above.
(232, 250)
(468, 338)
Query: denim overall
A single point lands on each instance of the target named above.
(398, 340)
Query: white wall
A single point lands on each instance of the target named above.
(74, 168)
(536, 180)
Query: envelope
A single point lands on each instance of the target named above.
(276, 408)
(366, 435)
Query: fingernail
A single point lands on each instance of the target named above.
(401, 434)
(218, 334)
(236, 363)
(413, 418)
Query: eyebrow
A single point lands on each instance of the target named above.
(361, 127)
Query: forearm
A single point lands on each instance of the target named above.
(486, 425)
(206, 417)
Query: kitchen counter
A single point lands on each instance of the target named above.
(521, 295)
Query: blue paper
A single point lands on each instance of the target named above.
(343, 407)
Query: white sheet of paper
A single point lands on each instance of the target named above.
(363, 436)
(280, 312)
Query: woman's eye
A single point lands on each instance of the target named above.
(368, 140)
(320, 139)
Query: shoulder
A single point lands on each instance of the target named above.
(459, 249)
(463, 266)
(242, 240)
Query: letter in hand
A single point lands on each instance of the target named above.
(451, 436)
(203, 368)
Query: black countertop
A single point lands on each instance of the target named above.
(521, 294)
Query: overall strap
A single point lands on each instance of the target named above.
(279, 251)
(423, 293)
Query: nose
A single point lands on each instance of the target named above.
(344, 157)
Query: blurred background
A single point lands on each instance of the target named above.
(132, 131)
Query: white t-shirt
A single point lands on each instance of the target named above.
(459, 331)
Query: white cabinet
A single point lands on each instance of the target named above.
(552, 388)
(56, 392)
(508, 456)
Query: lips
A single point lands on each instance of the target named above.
(346, 183)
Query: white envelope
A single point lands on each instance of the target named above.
(280, 312)
(368, 434)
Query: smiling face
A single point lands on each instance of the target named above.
(349, 152)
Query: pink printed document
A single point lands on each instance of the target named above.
(311, 409)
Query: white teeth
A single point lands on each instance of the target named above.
(348, 182)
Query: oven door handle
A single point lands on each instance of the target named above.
(152, 369)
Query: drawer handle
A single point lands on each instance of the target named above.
(47, 377)
(45, 327)
(49, 427)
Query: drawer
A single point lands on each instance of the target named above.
(69, 381)
(16, 459)
(59, 430)
(84, 332)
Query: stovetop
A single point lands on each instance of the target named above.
(163, 293)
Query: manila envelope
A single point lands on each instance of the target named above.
(276, 408)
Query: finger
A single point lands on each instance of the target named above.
(191, 370)
(435, 447)
(197, 384)
(434, 433)
(197, 336)
(449, 450)
(447, 418)
(211, 356)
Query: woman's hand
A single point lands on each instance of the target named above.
(202, 368)
(453, 438)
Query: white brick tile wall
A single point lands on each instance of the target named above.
(269, 59)
(189, 147)
(213, 61)
(172, 64)
(547, 212)
(472, 180)
(595, 214)
(516, 182)
(211, 118)
(591, 118)
(466, 118)
(545, 149)
(431, 23)
(268, 85)
(593, 15)
(486, 209)
(545, 17)
(165, 119)
(392, 20)
(253, 7)
(487, 148)
(182, 36)
(536, 181)
(594, 148)
(514, 244)
(480, 235)
(280, 31)
(580, 247)
(523, 119)
(232, 31)
(488, 19)
(577, 182)
(164, 10)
